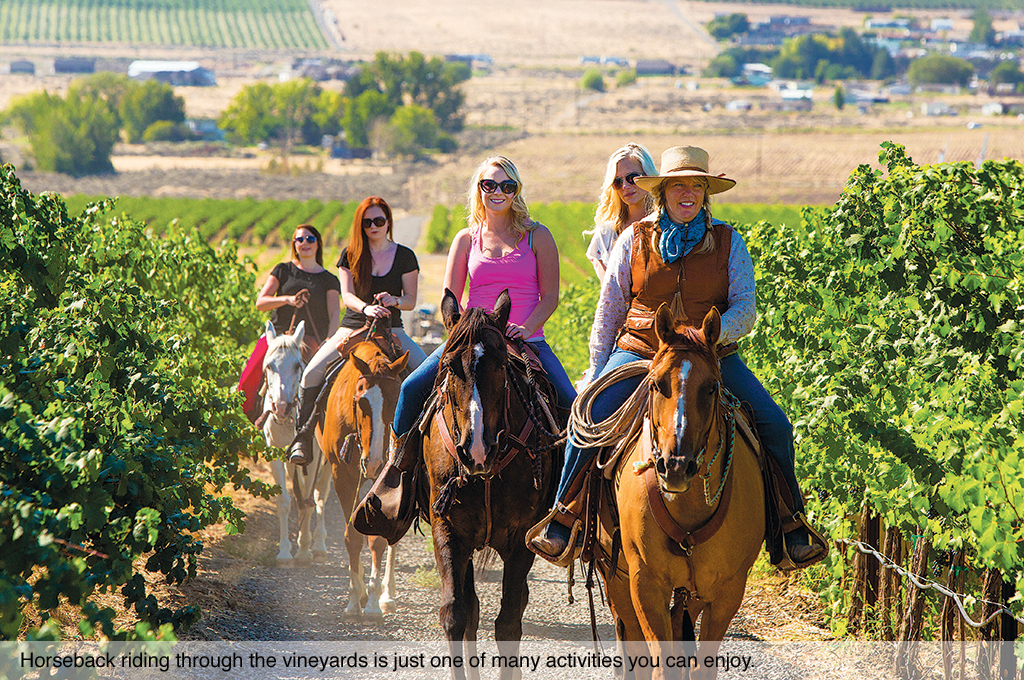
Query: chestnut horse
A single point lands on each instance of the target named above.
(357, 419)
(490, 480)
(694, 539)
(282, 367)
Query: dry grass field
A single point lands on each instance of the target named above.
(528, 105)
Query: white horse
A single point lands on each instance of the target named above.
(283, 367)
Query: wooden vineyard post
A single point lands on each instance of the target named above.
(949, 617)
(910, 626)
(1007, 635)
(865, 570)
(989, 635)
(889, 590)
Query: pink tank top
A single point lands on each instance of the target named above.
(516, 271)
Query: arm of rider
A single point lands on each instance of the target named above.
(456, 270)
(333, 312)
(613, 305)
(405, 301)
(268, 299)
(356, 303)
(547, 280)
(742, 312)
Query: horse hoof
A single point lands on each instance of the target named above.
(373, 616)
(304, 560)
(388, 606)
(319, 556)
(285, 563)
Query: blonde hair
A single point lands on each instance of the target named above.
(610, 207)
(521, 222)
(707, 244)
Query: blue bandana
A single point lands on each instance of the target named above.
(678, 240)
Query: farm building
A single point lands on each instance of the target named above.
(22, 66)
(655, 67)
(172, 72)
(74, 65)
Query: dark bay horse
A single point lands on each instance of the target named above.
(357, 419)
(491, 478)
(690, 506)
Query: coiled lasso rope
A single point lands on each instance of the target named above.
(622, 425)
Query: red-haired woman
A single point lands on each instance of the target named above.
(378, 279)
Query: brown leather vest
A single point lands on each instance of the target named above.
(701, 279)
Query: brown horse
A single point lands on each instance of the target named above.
(489, 483)
(691, 539)
(359, 411)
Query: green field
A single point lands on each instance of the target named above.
(272, 24)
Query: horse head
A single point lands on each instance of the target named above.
(685, 381)
(373, 382)
(283, 367)
(474, 387)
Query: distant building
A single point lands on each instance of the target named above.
(74, 65)
(172, 72)
(22, 66)
(655, 67)
(205, 129)
(942, 24)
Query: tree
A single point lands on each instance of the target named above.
(839, 97)
(414, 128)
(1006, 72)
(414, 79)
(75, 135)
(724, 27)
(982, 32)
(361, 114)
(287, 113)
(940, 69)
(146, 103)
(593, 80)
(882, 65)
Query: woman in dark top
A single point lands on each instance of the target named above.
(378, 279)
(305, 271)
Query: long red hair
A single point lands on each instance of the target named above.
(360, 262)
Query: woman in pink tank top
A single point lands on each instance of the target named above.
(501, 248)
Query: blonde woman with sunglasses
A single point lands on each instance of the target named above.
(502, 248)
(379, 280)
(621, 202)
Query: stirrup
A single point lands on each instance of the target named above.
(571, 552)
(786, 564)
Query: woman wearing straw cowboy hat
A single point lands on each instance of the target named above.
(679, 255)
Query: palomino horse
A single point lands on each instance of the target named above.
(283, 368)
(358, 416)
(691, 539)
(489, 483)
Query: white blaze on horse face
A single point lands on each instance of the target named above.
(375, 397)
(477, 450)
(684, 373)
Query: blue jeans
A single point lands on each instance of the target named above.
(417, 387)
(773, 426)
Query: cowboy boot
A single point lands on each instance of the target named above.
(301, 450)
(388, 509)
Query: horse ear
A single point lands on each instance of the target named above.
(664, 324)
(399, 364)
(712, 327)
(502, 308)
(450, 309)
(270, 332)
(361, 366)
(300, 330)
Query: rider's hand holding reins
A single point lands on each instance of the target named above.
(514, 331)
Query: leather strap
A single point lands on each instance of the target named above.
(686, 540)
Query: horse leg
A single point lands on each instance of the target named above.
(321, 492)
(515, 594)
(388, 590)
(473, 621)
(284, 508)
(357, 584)
(372, 608)
(455, 567)
(715, 622)
(304, 525)
(652, 598)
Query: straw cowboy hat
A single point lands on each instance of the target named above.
(686, 161)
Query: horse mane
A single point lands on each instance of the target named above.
(469, 326)
(691, 339)
(283, 343)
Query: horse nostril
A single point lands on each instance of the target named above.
(660, 466)
(691, 469)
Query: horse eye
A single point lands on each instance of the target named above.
(664, 386)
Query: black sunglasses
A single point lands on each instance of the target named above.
(620, 182)
(508, 187)
(307, 239)
(375, 221)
